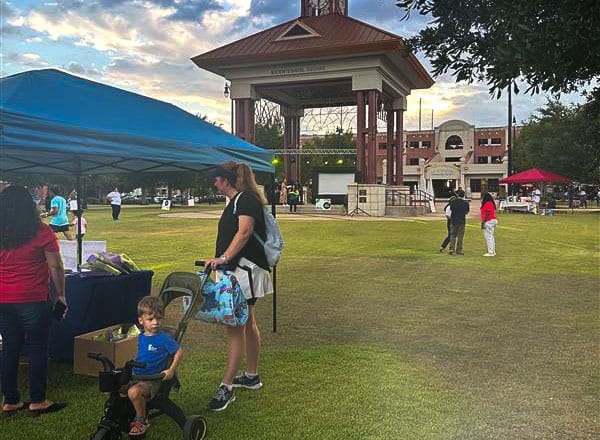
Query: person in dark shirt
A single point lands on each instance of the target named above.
(237, 249)
(458, 219)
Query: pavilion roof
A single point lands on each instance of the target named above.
(335, 35)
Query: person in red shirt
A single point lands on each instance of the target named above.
(29, 259)
(488, 223)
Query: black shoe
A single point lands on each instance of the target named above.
(451, 253)
(222, 398)
(251, 383)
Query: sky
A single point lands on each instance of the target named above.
(145, 46)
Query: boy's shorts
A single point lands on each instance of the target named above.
(152, 385)
(63, 228)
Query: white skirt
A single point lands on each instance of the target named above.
(245, 271)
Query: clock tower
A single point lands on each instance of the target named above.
(311, 8)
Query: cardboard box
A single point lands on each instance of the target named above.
(118, 352)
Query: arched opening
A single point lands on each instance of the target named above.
(454, 143)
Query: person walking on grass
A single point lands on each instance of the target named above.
(114, 198)
(154, 349)
(448, 214)
(459, 208)
(58, 212)
(488, 223)
(237, 247)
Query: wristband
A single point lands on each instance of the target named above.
(224, 258)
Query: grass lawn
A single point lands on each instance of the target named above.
(379, 335)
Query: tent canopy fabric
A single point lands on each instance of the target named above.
(536, 175)
(56, 123)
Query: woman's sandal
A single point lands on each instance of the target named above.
(137, 428)
(54, 407)
(8, 412)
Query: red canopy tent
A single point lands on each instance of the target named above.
(536, 175)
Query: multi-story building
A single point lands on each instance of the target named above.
(454, 154)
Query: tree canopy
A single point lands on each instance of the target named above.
(553, 45)
(562, 139)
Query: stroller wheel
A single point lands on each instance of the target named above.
(194, 428)
(101, 434)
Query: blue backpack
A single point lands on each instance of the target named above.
(224, 302)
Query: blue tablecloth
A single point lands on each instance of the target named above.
(95, 303)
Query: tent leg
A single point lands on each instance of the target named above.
(78, 213)
(273, 211)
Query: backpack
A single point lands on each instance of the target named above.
(273, 245)
(224, 302)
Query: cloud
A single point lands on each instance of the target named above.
(29, 60)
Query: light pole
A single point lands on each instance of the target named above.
(509, 135)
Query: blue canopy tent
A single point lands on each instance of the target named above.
(52, 122)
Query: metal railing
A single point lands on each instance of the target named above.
(405, 197)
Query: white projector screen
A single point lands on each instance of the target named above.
(335, 183)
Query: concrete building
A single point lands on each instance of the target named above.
(454, 154)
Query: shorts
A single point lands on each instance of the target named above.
(261, 284)
(62, 228)
(153, 387)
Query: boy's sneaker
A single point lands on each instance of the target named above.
(243, 381)
(222, 398)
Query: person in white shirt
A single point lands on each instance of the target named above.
(536, 197)
(114, 197)
(447, 213)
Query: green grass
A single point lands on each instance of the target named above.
(380, 336)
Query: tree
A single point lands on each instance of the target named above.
(553, 45)
(562, 139)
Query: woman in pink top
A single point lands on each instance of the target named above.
(488, 223)
(29, 259)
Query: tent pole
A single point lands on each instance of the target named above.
(78, 212)
(273, 211)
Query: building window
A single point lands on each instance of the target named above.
(482, 142)
(383, 145)
(454, 143)
(496, 159)
(426, 144)
(413, 144)
(475, 185)
(453, 159)
(413, 161)
(496, 141)
(493, 185)
(482, 159)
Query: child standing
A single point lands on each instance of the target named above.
(154, 349)
(74, 222)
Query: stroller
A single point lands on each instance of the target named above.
(118, 410)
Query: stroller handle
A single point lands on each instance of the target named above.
(202, 263)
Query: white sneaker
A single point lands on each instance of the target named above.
(487, 254)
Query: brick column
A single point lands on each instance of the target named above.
(244, 119)
(390, 148)
(360, 136)
(372, 138)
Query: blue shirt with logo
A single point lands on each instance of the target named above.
(154, 351)
(60, 218)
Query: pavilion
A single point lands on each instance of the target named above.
(323, 58)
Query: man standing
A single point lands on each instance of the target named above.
(448, 214)
(58, 212)
(114, 197)
(459, 208)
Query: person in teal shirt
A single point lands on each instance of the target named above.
(58, 212)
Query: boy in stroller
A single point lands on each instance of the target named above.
(154, 349)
